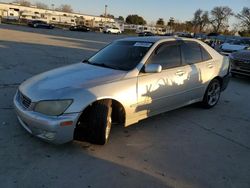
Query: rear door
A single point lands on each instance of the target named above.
(202, 65)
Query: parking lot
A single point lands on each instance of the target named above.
(189, 147)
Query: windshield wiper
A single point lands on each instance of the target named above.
(104, 65)
(86, 61)
(100, 64)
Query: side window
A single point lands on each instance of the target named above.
(205, 55)
(167, 55)
(192, 52)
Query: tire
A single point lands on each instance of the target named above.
(212, 94)
(99, 124)
(233, 75)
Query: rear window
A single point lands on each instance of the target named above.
(192, 52)
(205, 55)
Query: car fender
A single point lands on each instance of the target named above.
(123, 91)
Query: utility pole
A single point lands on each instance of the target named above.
(105, 13)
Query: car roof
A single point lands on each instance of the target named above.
(155, 39)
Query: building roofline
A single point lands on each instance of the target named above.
(80, 14)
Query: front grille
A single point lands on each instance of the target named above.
(25, 101)
(241, 64)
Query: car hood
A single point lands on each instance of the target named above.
(232, 47)
(58, 82)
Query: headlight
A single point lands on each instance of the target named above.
(52, 108)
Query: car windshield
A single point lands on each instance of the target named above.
(121, 55)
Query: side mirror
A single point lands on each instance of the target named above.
(153, 68)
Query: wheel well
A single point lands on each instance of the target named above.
(219, 79)
(118, 112)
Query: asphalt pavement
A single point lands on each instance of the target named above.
(188, 148)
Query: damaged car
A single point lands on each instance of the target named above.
(129, 80)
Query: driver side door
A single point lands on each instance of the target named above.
(159, 92)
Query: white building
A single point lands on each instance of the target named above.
(145, 28)
(13, 11)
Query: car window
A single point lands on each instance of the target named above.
(168, 55)
(205, 55)
(122, 55)
(192, 52)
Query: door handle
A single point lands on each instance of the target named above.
(180, 73)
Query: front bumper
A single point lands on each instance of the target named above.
(240, 67)
(45, 127)
(226, 53)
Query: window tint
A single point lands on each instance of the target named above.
(167, 55)
(122, 55)
(192, 52)
(205, 55)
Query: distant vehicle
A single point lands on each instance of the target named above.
(213, 34)
(182, 34)
(40, 24)
(240, 63)
(200, 36)
(112, 30)
(127, 81)
(231, 46)
(79, 28)
(146, 33)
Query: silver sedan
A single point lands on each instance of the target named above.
(127, 81)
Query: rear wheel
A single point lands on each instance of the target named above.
(212, 94)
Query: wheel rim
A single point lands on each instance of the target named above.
(213, 93)
(108, 127)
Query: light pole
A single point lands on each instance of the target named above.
(105, 13)
(53, 6)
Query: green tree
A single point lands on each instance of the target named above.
(219, 18)
(171, 22)
(108, 16)
(135, 19)
(121, 18)
(160, 22)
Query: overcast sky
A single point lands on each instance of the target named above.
(151, 10)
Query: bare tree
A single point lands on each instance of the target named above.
(219, 18)
(23, 2)
(65, 8)
(200, 20)
(244, 17)
(42, 5)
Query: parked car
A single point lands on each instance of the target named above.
(40, 24)
(79, 28)
(127, 81)
(234, 45)
(240, 63)
(146, 33)
(112, 30)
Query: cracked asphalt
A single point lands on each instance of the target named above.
(189, 147)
